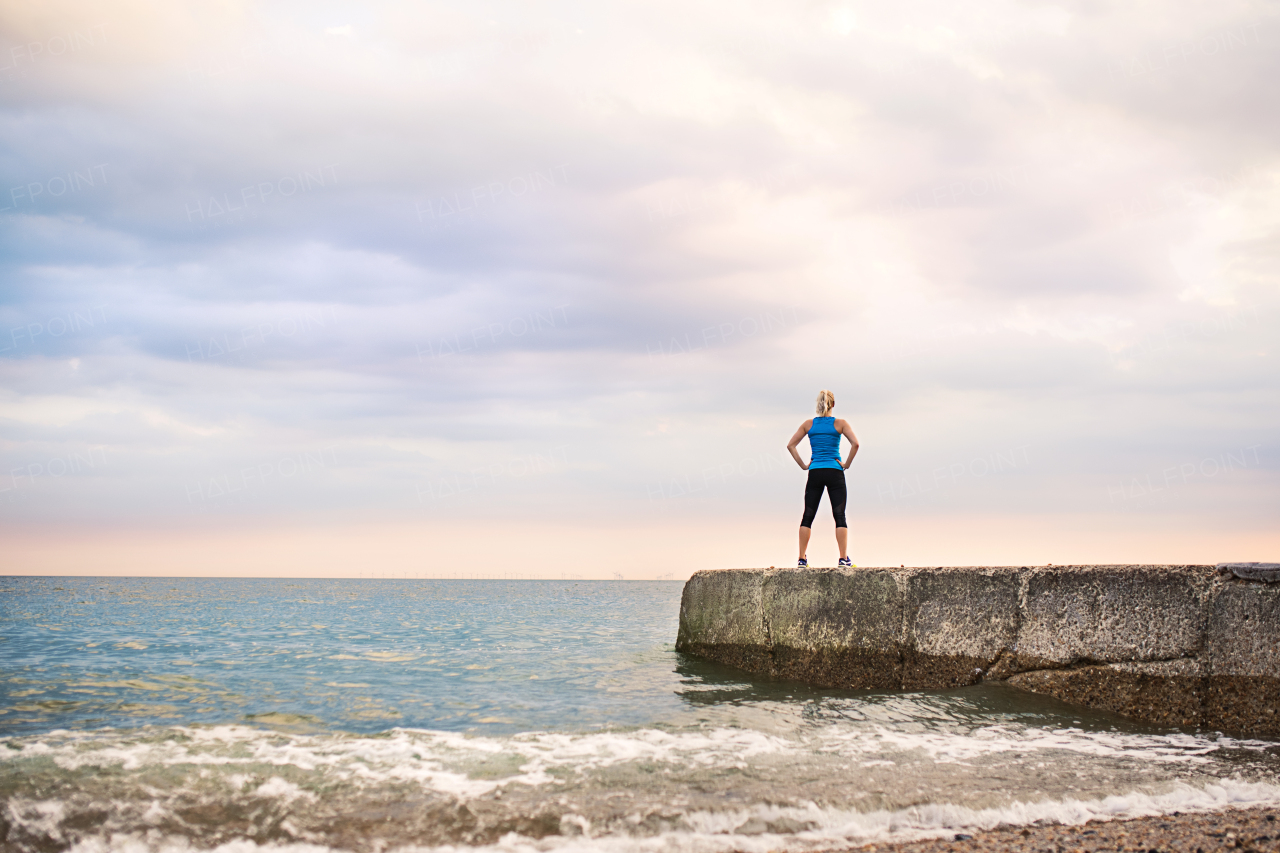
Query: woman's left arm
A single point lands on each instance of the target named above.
(847, 432)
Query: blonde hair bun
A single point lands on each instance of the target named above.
(826, 402)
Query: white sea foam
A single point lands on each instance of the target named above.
(440, 761)
(283, 789)
(402, 755)
(739, 829)
(296, 774)
(954, 747)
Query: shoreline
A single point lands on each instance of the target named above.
(1247, 828)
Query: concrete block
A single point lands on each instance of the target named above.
(1266, 572)
(1170, 645)
(835, 627)
(958, 623)
(1167, 693)
(1242, 645)
(721, 619)
(1103, 614)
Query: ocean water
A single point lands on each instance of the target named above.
(246, 715)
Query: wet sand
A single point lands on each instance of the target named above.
(1233, 829)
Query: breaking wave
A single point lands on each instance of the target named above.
(238, 788)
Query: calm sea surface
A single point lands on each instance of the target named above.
(162, 714)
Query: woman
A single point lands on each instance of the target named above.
(825, 472)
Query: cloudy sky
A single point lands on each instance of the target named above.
(488, 288)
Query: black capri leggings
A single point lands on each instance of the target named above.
(831, 479)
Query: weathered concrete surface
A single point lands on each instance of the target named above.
(1172, 645)
(958, 623)
(1243, 651)
(1110, 613)
(834, 628)
(721, 619)
(1269, 572)
(1168, 693)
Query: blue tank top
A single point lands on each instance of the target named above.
(824, 444)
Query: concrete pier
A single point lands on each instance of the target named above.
(1171, 645)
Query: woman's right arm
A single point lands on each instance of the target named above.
(795, 442)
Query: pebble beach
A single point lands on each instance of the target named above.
(1233, 829)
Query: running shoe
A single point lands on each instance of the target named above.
(846, 563)
(803, 564)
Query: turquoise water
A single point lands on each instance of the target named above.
(492, 657)
(163, 714)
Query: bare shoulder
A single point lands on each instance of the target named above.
(807, 425)
(840, 424)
